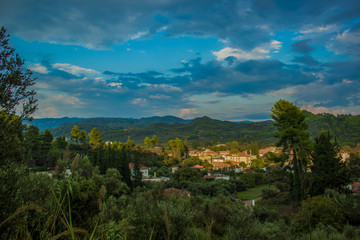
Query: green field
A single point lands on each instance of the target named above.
(253, 193)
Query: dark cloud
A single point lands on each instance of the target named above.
(100, 25)
(306, 60)
(250, 77)
(302, 47)
(347, 42)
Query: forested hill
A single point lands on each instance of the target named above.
(345, 127)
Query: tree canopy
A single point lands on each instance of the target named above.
(16, 97)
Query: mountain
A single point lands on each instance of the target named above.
(345, 127)
(44, 123)
(113, 124)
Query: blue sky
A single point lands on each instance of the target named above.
(229, 60)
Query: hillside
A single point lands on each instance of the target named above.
(50, 123)
(345, 127)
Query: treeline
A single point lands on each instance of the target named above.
(204, 129)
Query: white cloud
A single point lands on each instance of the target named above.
(139, 101)
(275, 44)
(318, 29)
(116, 85)
(242, 55)
(75, 70)
(255, 54)
(138, 35)
(39, 68)
(188, 112)
(320, 109)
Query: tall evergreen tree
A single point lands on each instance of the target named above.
(328, 171)
(294, 139)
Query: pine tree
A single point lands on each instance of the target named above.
(291, 125)
(328, 171)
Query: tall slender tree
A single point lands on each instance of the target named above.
(294, 139)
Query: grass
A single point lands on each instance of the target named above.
(253, 193)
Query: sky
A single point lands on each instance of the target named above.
(226, 59)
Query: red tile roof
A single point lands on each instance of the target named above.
(197, 167)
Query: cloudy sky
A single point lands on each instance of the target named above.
(225, 59)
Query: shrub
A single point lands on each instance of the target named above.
(318, 210)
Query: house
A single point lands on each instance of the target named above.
(223, 153)
(172, 190)
(220, 165)
(218, 160)
(143, 169)
(239, 157)
(263, 151)
(236, 168)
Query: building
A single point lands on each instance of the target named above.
(143, 169)
(236, 168)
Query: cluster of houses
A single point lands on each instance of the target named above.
(222, 159)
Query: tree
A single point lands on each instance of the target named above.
(294, 139)
(75, 134)
(95, 138)
(15, 80)
(317, 210)
(186, 148)
(328, 171)
(11, 137)
(147, 142)
(177, 148)
(155, 140)
(32, 143)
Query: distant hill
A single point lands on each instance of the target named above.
(345, 127)
(44, 123)
(113, 124)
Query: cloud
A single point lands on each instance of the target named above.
(75, 70)
(347, 42)
(302, 47)
(139, 101)
(257, 53)
(320, 109)
(39, 68)
(116, 22)
(318, 29)
(306, 60)
(188, 112)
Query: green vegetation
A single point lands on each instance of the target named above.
(94, 189)
(205, 130)
(255, 192)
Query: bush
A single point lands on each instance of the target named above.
(318, 210)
